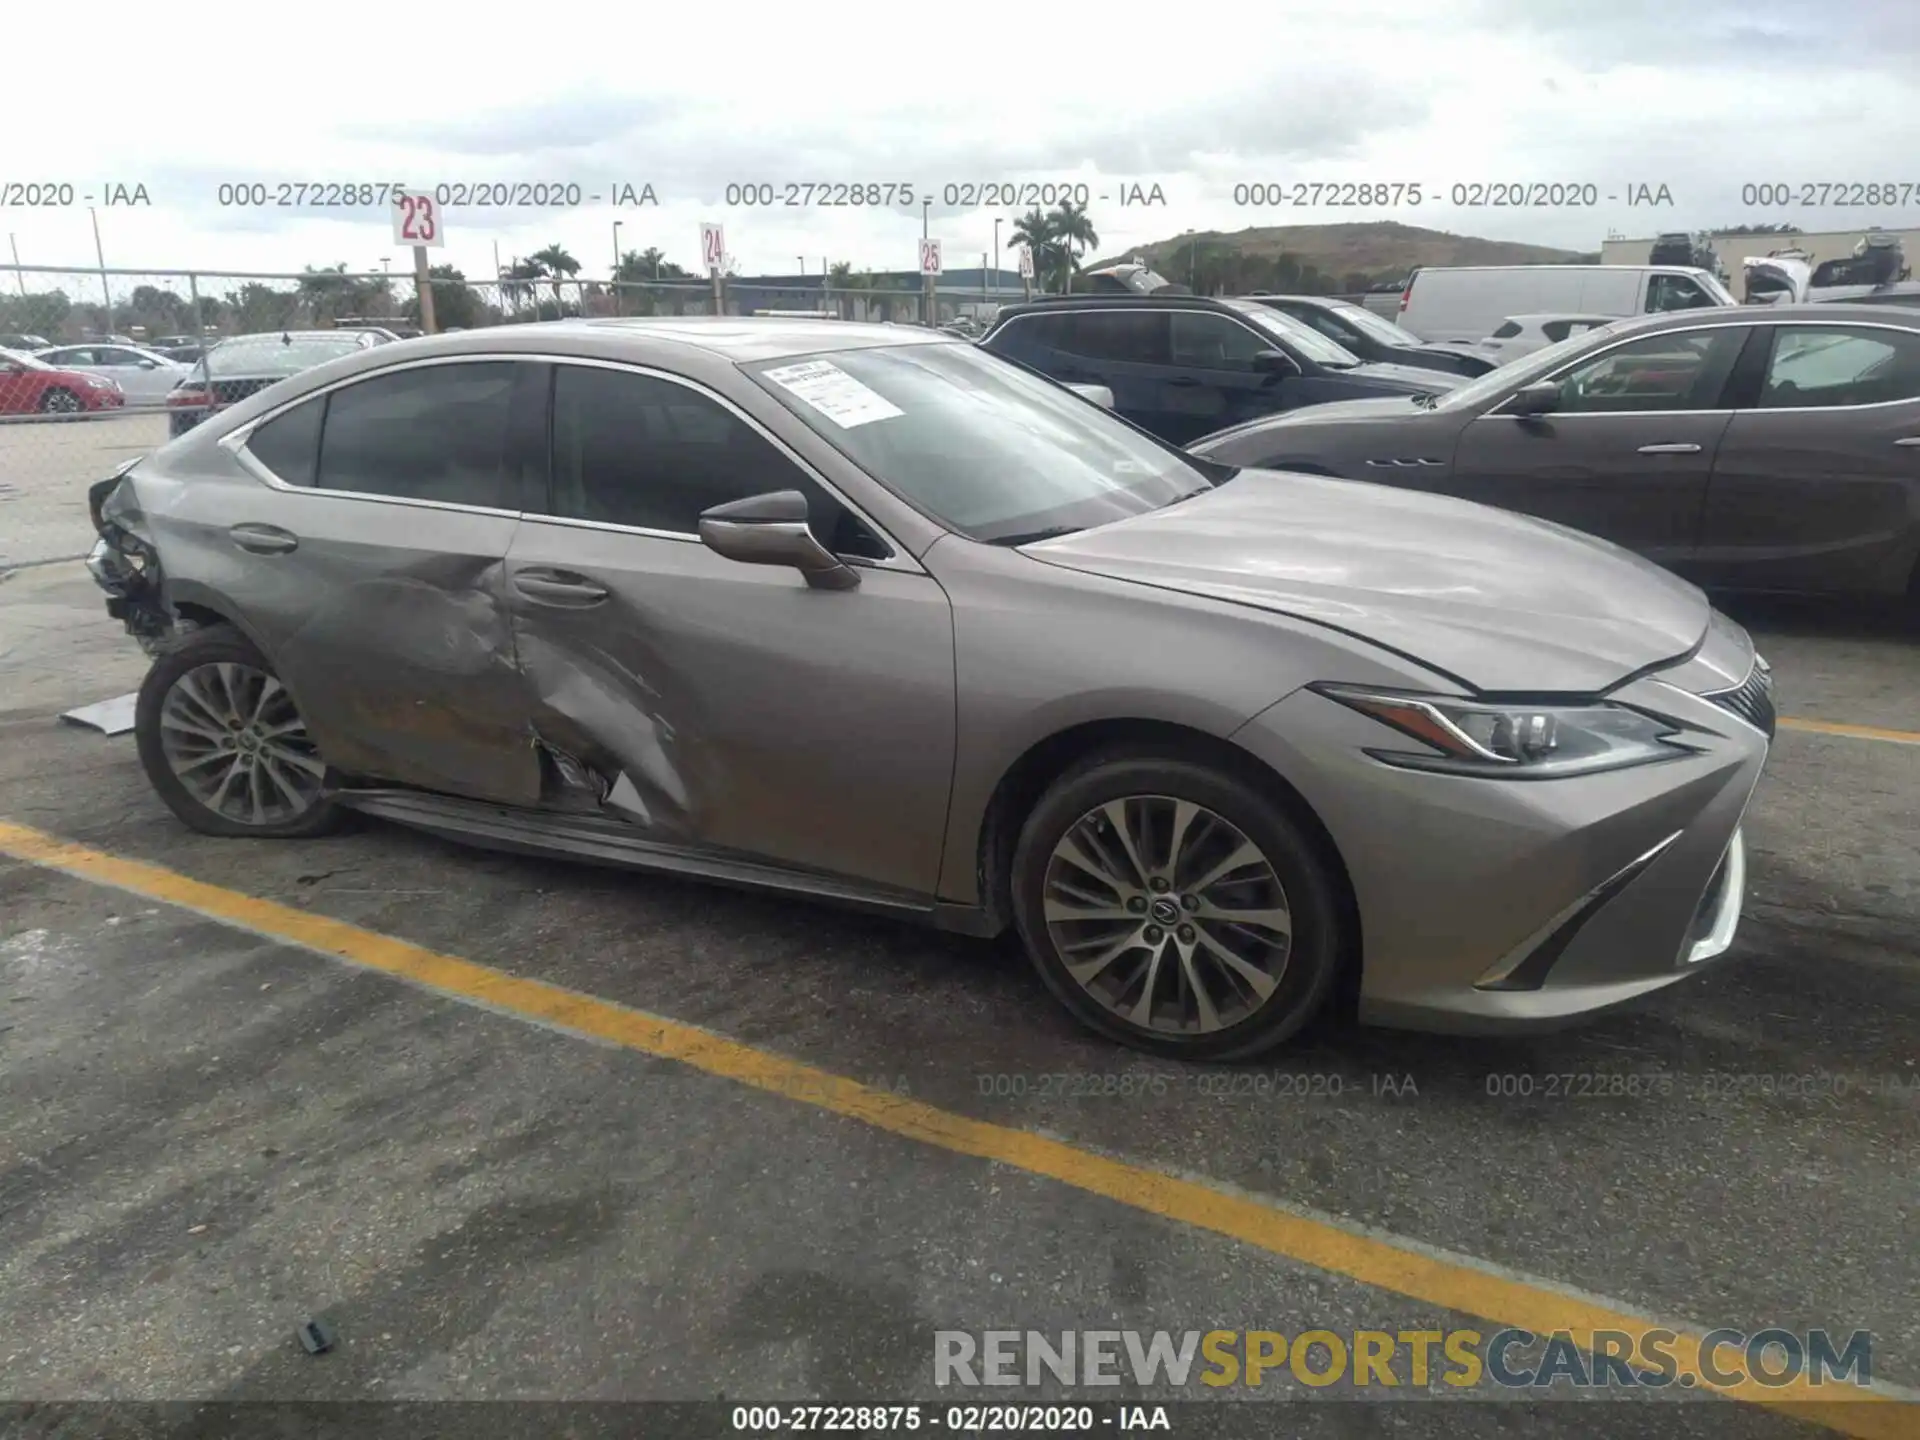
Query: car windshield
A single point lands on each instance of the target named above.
(981, 445)
(1302, 337)
(25, 362)
(1516, 373)
(1376, 327)
(279, 355)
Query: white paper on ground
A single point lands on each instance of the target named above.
(834, 393)
(110, 717)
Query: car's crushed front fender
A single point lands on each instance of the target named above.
(124, 563)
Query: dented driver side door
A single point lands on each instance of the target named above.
(716, 705)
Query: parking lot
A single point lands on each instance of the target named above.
(524, 1130)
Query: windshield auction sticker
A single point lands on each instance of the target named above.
(834, 393)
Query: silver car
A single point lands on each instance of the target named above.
(866, 614)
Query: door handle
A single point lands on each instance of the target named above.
(1908, 440)
(263, 539)
(1183, 382)
(558, 587)
(1676, 449)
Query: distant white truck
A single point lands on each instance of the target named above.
(1468, 302)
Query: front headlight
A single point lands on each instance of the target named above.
(1514, 741)
(101, 382)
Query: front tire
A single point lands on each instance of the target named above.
(1172, 907)
(61, 401)
(223, 744)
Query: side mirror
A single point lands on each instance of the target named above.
(149, 364)
(1275, 362)
(772, 529)
(1098, 394)
(1535, 399)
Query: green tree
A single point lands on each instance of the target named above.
(43, 312)
(1033, 232)
(556, 262)
(1072, 234)
(517, 281)
(456, 305)
(257, 307)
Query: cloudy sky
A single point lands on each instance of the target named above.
(1702, 97)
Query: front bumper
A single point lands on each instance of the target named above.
(1498, 905)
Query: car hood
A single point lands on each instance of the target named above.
(1370, 411)
(1498, 601)
(1411, 378)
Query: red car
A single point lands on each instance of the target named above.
(29, 387)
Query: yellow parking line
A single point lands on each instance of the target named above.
(1852, 732)
(1431, 1278)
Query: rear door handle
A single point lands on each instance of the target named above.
(1908, 440)
(1676, 449)
(263, 539)
(558, 587)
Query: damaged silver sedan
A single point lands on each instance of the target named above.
(869, 615)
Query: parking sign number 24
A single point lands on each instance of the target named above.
(418, 222)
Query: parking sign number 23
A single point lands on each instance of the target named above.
(418, 223)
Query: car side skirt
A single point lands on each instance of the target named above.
(600, 840)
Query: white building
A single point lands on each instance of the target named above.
(1732, 249)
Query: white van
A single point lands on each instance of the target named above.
(1466, 302)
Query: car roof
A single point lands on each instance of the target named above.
(738, 339)
(1541, 317)
(1105, 300)
(1827, 313)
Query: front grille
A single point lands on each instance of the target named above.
(1751, 699)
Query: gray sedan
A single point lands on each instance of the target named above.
(1746, 449)
(866, 614)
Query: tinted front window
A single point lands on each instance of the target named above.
(435, 433)
(1831, 365)
(289, 444)
(636, 450)
(980, 445)
(1674, 292)
(1684, 371)
(1213, 342)
(1512, 328)
(1498, 384)
(1299, 338)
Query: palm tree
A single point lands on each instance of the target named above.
(1034, 230)
(1073, 235)
(557, 263)
(516, 280)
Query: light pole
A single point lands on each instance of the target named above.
(1191, 261)
(19, 275)
(613, 275)
(106, 296)
(998, 221)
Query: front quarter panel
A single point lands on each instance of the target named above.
(1041, 650)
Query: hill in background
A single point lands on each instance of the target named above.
(1324, 258)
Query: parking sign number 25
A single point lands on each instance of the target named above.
(418, 223)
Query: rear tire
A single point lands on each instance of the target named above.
(1171, 907)
(223, 745)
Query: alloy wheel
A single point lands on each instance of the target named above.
(237, 745)
(60, 402)
(1167, 914)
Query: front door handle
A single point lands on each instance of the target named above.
(263, 539)
(1183, 382)
(558, 587)
(1675, 449)
(1908, 440)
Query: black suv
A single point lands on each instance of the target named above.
(1183, 366)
